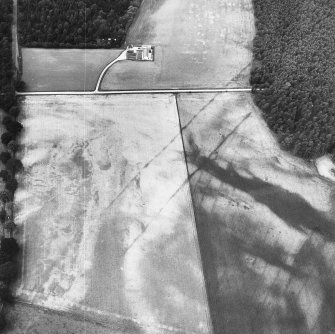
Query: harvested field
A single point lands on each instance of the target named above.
(108, 221)
(199, 44)
(64, 69)
(29, 319)
(265, 221)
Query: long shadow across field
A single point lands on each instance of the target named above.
(240, 298)
(290, 207)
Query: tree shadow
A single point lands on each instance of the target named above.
(289, 206)
(241, 299)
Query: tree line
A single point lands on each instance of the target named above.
(294, 65)
(5, 51)
(71, 23)
(9, 247)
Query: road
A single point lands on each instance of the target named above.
(156, 91)
(122, 56)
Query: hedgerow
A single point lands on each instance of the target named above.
(6, 88)
(83, 24)
(9, 248)
(294, 65)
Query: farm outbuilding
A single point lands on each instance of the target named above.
(140, 52)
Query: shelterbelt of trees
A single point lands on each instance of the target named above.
(294, 63)
(72, 23)
(9, 163)
(5, 49)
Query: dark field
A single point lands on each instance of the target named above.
(265, 222)
(64, 69)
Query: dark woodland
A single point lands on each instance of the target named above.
(70, 23)
(294, 66)
(6, 87)
(11, 128)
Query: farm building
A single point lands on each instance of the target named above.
(140, 52)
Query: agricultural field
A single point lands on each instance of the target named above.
(106, 213)
(97, 193)
(265, 221)
(199, 44)
(152, 214)
(64, 69)
(213, 40)
(29, 319)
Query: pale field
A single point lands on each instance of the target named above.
(64, 69)
(326, 167)
(199, 44)
(265, 221)
(106, 212)
(26, 319)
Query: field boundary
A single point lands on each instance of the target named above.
(144, 91)
(79, 311)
